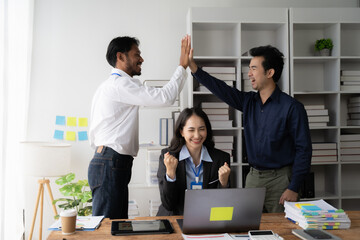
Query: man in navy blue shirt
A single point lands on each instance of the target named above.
(276, 128)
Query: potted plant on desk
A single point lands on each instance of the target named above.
(79, 192)
(323, 47)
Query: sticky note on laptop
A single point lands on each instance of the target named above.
(221, 213)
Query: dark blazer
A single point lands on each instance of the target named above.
(172, 193)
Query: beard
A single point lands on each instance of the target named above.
(133, 70)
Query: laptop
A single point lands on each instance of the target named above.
(222, 210)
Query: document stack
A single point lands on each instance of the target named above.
(324, 152)
(316, 215)
(152, 166)
(350, 80)
(350, 147)
(318, 116)
(226, 74)
(225, 143)
(354, 111)
(218, 113)
(133, 210)
(246, 82)
(154, 207)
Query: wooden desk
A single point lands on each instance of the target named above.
(269, 221)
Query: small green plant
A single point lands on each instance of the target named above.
(323, 44)
(79, 192)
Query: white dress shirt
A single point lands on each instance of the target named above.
(114, 118)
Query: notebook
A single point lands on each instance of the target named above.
(222, 210)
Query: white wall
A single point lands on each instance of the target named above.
(70, 41)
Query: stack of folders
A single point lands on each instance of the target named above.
(225, 143)
(354, 111)
(133, 210)
(350, 80)
(318, 116)
(316, 215)
(324, 152)
(152, 166)
(218, 113)
(154, 207)
(350, 147)
(226, 74)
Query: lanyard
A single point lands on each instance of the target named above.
(198, 173)
(116, 74)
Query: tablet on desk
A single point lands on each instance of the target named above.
(137, 227)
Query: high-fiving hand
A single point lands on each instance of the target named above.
(185, 51)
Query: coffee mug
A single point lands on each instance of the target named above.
(68, 221)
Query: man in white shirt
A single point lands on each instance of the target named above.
(114, 127)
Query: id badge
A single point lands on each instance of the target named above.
(194, 185)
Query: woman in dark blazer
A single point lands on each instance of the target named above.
(190, 162)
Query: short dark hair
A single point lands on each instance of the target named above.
(119, 44)
(273, 58)
(177, 142)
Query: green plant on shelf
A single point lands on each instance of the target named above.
(79, 193)
(324, 43)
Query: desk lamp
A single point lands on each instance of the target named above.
(45, 159)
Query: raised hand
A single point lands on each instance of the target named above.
(171, 163)
(185, 51)
(224, 173)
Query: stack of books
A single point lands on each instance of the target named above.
(354, 111)
(218, 113)
(246, 82)
(318, 116)
(324, 152)
(166, 131)
(133, 210)
(225, 143)
(152, 165)
(316, 215)
(226, 74)
(350, 80)
(154, 207)
(350, 147)
(160, 84)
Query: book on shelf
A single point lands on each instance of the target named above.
(315, 159)
(224, 145)
(221, 124)
(349, 151)
(229, 139)
(354, 104)
(317, 124)
(350, 78)
(313, 119)
(350, 137)
(349, 144)
(213, 117)
(350, 87)
(314, 107)
(317, 112)
(225, 76)
(353, 83)
(354, 99)
(323, 145)
(214, 105)
(353, 122)
(325, 152)
(163, 132)
(350, 158)
(175, 116)
(350, 72)
(218, 69)
(209, 111)
(203, 89)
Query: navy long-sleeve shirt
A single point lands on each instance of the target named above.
(276, 133)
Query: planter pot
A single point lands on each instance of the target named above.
(323, 52)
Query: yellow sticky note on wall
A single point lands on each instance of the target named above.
(83, 122)
(70, 136)
(71, 121)
(221, 213)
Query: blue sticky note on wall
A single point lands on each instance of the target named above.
(59, 134)
(82, 135)
(60, 120)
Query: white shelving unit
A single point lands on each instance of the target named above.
(220, 37)
(316, 80)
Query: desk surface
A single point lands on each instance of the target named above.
(269, 221)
